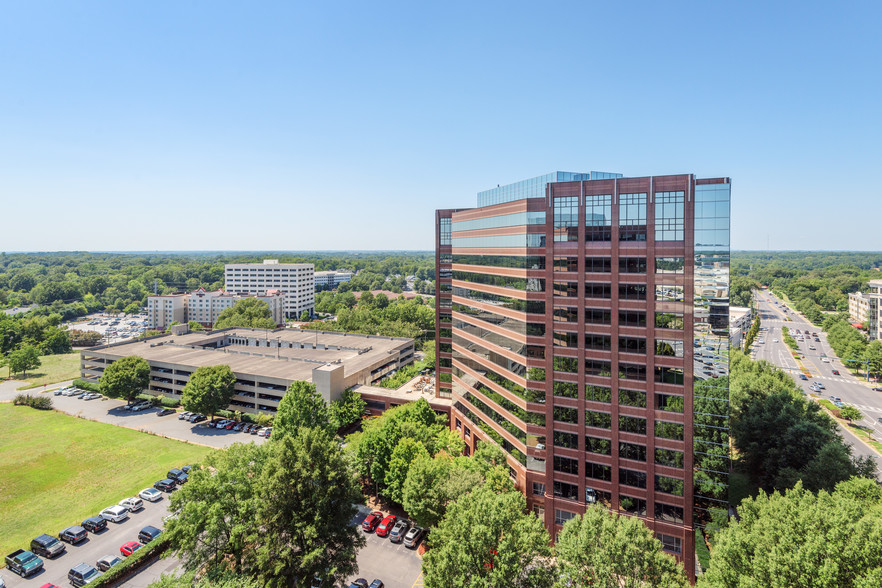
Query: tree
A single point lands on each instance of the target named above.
(195, 326)
(608, 550)
(217, 508)
(489, 540)
(306, 498)
(304, 316)
(84, 338)
(301, 406)
(850, 413)
(125, 378)
(23, 359)
(403, 455)
(802, 539)
(248, 312)
(347, 409)
(209, 390)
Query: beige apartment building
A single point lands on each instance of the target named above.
(858, 307)
(204, 307)
(296, 282)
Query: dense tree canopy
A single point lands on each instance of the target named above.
(248, 312)
(301, 406)
(801, 539)
(603, 549)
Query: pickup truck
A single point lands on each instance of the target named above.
(24, 563)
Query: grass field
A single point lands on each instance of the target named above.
(56, 470)
(54, 368)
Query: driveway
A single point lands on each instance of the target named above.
(393, 563)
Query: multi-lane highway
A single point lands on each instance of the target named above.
(853, 391)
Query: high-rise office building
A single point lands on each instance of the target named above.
(296, 281)
(582, 325)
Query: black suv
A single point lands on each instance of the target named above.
(47, 546)
(95, 524)
(165, 485)
(73, 534)
(148, 534)
(174, 473)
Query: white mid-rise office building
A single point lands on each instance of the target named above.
(331, 279)
(296, 281)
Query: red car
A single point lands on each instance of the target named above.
(129, 547)
(386, 525)
(371, 522)
(835, 372)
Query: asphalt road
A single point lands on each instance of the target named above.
(393, 563)
(107, 542)
(853, 391)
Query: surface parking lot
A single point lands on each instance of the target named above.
(393, 563)
(112, 412)
(94, 547)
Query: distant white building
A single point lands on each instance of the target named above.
(740, 319)
(204, 307)
(331, 279)
(296, 282)
(858, 307)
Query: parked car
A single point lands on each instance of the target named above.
(165, 485)
(150, 494)
(47, 546)
(133, 503)
(255, 430)
(803, 377)
(359, 583)
(129, 547)
(839, 404)
(186, 468)
(148, 534)
(221, 424)
(95, 524)
(182, 479)
(73, 535)
(385, 526)
(165, 411)
(107, 562)
(877, 389)
(198, 418)
(174, 473)
(24, 563)
(82, 574)
(184, 416)
(371, 522)
(115, 513)
(396, 535)
(376, 584)
(414, 536)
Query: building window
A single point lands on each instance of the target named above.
(670, 544)
(598, 445)
(566, 389)
(669, 320)
(632, 398)
(598, 342)
(668, 485)
(598, 393)
(666, 293)
(565, 364)
(598, 316)
(630, 424)
(669, 265)
(598, 471)
(565, 339)
(598, 265)
(631, 505)
(632, 291)
(566, 218)
(538, 489)
(600, 420)
(669, 216)
(669, 402)
(565, 465)
(632, 451)
(632, 345)
(565, 314)
(567, 491)
(565, 440)
(632, 318)
(598, 217)
(565, 289)
(598, 290)
(566, 415)
(668, 348)
(669, 375)
(668, 430)
(632, 265)
(669, 458)
(446, 226)
(632, 478)
(566, 264)
(632, 371)
(562, 516)
(597, 367)
(632, 217)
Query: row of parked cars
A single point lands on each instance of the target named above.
(28, 562)
(228, 424)
(398, 530)
(76, 393)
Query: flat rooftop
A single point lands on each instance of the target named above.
(310, 350)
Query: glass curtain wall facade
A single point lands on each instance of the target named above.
(585, 331)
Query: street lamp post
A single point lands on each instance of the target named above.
(864, 361)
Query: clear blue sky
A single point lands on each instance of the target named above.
(315, 125)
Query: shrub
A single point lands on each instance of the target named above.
(224, 414)
(38, 402)
(169, 401)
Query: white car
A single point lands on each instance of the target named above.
(222, 424)
(133, 504)
(115, 513)
(825, 360)
(150, 494)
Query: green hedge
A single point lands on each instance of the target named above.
(169, 402)
(90, 386)
(121, 571)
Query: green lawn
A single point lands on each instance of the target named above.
(54, 368)
(56, 470)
